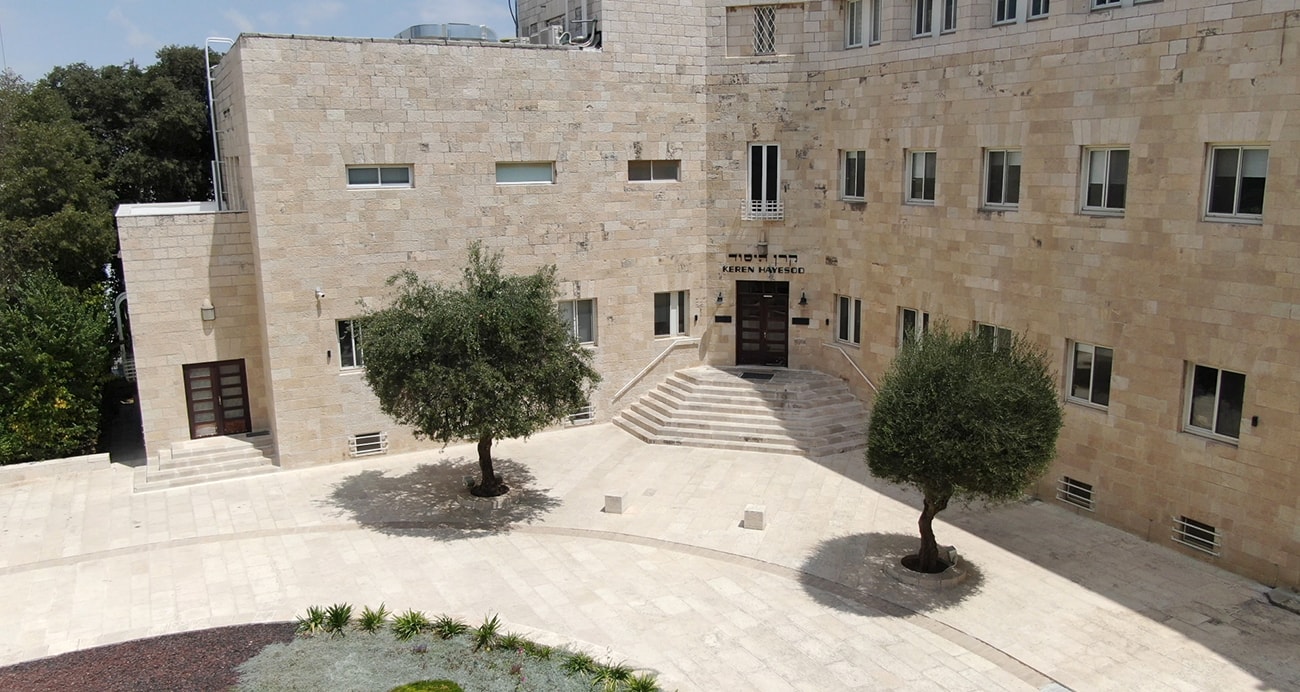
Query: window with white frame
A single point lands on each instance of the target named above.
(764, 193)
(525, 172)
(1004, 11)
(853, 176)
(997, 337)
(1105, 4)
(922, 17)
(765, 30)
(1214, 401)
(580, 316)
(1038, 8)
(1236, 186)
(642, 171)
(1090, 368)
(921, 176)
(349, 333)
(912, 325)
(670, 313)
(848, 319)
(1196, 534)
(876, 10)
(1002, 178)
(949, 24)
(1105, 177)
(379, 176)
(853, 23)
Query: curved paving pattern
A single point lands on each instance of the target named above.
(674, 584)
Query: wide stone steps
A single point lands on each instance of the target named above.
(751, 408)
(207, 460)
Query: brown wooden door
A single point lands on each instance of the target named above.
(216, 396)
(763, 322)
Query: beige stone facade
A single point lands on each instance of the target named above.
(1159, 280)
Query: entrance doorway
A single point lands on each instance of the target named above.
(216, 397)
(763, 311)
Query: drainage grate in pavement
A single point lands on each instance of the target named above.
(760, 376)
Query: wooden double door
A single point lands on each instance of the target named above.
(216, 398)
(763, 329)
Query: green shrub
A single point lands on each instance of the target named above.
(337, 619)
(311, 623)
(540, 652)
(446, 627)
(579, 663)
(429, 686)
(410, 624)
(609, 676)
(485, 635)
(645, 682)
(372, 621)
(511, 641)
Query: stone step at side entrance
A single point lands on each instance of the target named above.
(207, 460)
(750, 408)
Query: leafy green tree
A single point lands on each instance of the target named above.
(485, 360)
(960, 417)
(54, 358)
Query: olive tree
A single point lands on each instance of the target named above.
(966, 417)
(487, 359)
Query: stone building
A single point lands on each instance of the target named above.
(801, 184)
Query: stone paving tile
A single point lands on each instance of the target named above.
(674, 584)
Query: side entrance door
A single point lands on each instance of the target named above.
(762, 334)
(216, 397)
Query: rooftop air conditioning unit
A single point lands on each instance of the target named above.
(549, 36)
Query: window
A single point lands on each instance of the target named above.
(1237, 176)
(875, 18)
(922, 17)
(764, 197)
(526, 172)
(949, 17)
(646, 171)
(1090, 368)
(379, 176)
(854, 176)
(1002, 179)
(1105, 179)
(670, 313)
(997, 337)
(350, 344)
(1075, 492)
(1214, 401)
(853, 23)
(912, 325)
(765, 30)
(1195, 534)
(1038, 8)
(1004, 11)
(848, 320)
(1104, 4)
(920, 173)
(580, 315)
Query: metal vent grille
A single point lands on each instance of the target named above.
(765, 30)
(762, 210)
(584, 415)
(1196, 535)
(366, 444)
(1075, 492)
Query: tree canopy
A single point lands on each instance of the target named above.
(487, 359)
(964, 417)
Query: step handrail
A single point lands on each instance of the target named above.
(856, 369)
(677, 343)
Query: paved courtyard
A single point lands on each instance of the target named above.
(674, 584)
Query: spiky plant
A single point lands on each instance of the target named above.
(485, 635)
(337, 619)
(446, 627)
(371, 621)
(412, 623)
(645, 682)
(578, 662)
(540, 652)
(511, 641)
(311, 623)
(608, 676)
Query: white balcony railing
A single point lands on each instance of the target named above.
(762, 210)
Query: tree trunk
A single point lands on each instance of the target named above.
(927, 559)
(490, 485)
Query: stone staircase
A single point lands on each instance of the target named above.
(750, 408)
(206, 460)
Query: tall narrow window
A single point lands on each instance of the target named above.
(949, 17)
(1106, 185)
(922, 17)
(1002, 179)
(877, 14)
(670, 313)
(912, 325)
(765, 30)
(580, 316)
(349, 332)
(1237, 177)
(921, 176)
(854, 176)
(1090, 374)
(1004, 11)
(848, 320)
(1214, 401)
(853, 23)
(764, 197)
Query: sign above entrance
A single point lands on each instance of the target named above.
(755, 263)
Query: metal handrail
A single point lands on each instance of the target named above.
(677, 343)
(856, 369)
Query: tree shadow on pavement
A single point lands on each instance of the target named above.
(855, 568)
(434, 500)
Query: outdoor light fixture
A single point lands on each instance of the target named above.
(206, 311)
(320, 293)
(719, 297)
(803, 298)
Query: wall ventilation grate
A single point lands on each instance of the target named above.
(1196, 535)
(367, 444)
(582, 416)
(1075, 492)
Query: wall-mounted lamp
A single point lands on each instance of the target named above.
(719, 297)
(320, 293)
(803, 298)
(206, 311)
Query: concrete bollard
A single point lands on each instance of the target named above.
(755, 517)
(615, 504)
